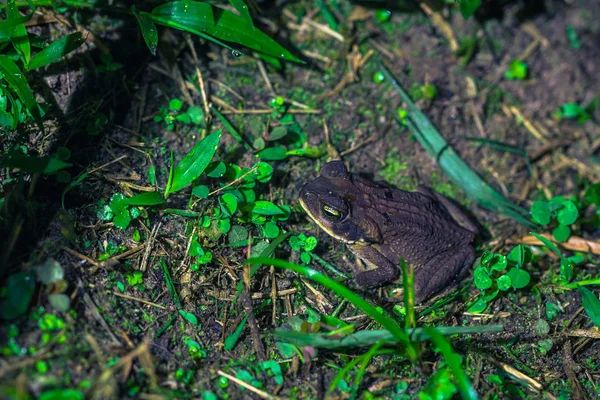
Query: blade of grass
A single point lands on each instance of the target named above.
(453, 361)
(408, 275)
(368, 338)
(451, 163)
(265, 253)
(384, 320)
(232, 131)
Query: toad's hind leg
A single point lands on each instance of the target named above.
(383, 269)
(432, 277)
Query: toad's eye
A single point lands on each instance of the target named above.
(331, 213)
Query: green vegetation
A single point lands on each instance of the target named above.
(151, 155)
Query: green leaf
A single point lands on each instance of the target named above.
(194, 163)
(231, 129)
(478, 307)
(242, 8)
(62, 394)
(238, 236)
(379, 316)
(498, 262)
(18, 83)
(468, 7)
(519, 278)
(271, 230)
(482, 279)
(189, 317)
(264, 171)
(540, 212)
(548, 244)
(561, 233)
(504, 282)
(201, 191)
(43, 165)
(277, 133)
(231, 340)
(209, 21)
(520, 255)
(542, 327)
(591, 305)
(122, 219)
(149, 31)
(568, 214)
(592, 194)
(228, 204)
(224, 225)
(263, 207)
(517, 70)
(145, 199)
(453, 361)
(566, 270)
(571, 111)
(19, 291)
(216, 169)
(273, 153)
(18, 36)
(57, 49)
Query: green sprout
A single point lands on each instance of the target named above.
(564, 211)
(517, 70)
(495, 273)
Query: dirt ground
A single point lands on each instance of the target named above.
(122, 339)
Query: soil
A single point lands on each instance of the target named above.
(131, 341)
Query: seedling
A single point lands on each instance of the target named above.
(303, 244)
(572, 111)
(426, 91)
(517, 70)
(563, 211)
(174, 114)
(495, 273)
(117, 211)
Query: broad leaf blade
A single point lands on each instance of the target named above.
(149, 31)
(195, 162)
(194, 17)
(43, 165)
(242, 8)
(591, 304)
(145, 199)
(15, 78)
(57, 49)
(18, 34)
(451, 163)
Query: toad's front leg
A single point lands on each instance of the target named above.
(382, 270)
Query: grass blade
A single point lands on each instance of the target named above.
(384, 320)
(232, 131)
(591, 304)
(369, 338)
(451, 163)
(453, 361)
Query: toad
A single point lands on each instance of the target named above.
(381, 225)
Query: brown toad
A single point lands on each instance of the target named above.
(380, 225)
